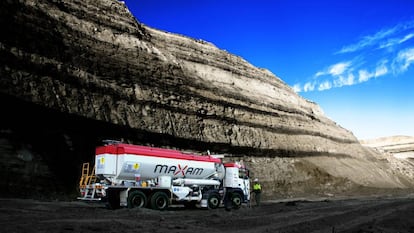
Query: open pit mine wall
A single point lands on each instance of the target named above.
(75, 72)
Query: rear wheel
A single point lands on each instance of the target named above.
(137, 199)
(159, 201)
(213, 201)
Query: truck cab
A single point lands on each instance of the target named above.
(237, 183)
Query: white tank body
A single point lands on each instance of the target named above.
(132, 162)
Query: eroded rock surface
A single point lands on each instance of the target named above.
(94, 69)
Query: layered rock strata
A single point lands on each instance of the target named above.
(399, 146)
(97, 69)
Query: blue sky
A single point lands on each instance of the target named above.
(353, 58)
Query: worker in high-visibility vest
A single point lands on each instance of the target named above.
(257, 190)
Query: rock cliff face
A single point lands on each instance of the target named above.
(399, 146)
(92, 68)
(398, 151)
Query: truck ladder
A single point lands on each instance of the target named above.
(87, 184)
(87, 177)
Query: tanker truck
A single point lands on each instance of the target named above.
(135, 176)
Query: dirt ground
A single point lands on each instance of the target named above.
(386, 214)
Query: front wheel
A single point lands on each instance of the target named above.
(159, 201)
(236, 200)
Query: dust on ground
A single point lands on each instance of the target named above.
(373, 214)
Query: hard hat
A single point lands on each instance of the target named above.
(256, 180)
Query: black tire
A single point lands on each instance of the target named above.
(236, 200)
(213, 201)
(137, 199)
(159, 201)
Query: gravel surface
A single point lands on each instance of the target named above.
(379, 214)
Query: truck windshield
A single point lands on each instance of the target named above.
(243, 173)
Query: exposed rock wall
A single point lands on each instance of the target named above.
(398, 151)
(399, 146)
(73, 57)
(92, 60)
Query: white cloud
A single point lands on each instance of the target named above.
(339, 68)
(368, 41)
(371, 60)
(403, 60)
(364, 76)
(325, 86)
(334, 70)
(340, 73)
(343, 74)
(320, 73)
(350, 80)
(395, 41)
(407, 37)
(344, 80)
(297, 88)
(381, 69)
(310, 86)
(377, 38)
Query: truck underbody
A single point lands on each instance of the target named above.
(159, 198)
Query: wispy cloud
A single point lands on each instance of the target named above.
(403, 60)
(325, 86)
(364, 76)
(339, 71)
(381, 68)
(367, 41)
(348, 74)
(339, 68)
(390, 50)
(336, 69)
(377, 38)
(395, 41)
